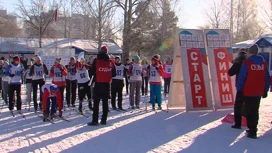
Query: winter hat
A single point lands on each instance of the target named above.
(58, 60)
(79, 65)
(104, 49)
(117, 57)
(72, 58)
(155, 58)
(54, 88)
(253, 50)
(242, 53)
(29, 62)
(38, 58)
(158, 56)
(136, 57)
(16, 59)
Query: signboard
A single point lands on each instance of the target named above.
(49, 55)
(195, 70)
(220, 57)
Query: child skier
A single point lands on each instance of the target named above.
(155, 79)
(15, 71)
(37, 71)
(117, 84)
(51, 92)
(167, 66)
(71, 82)
(135, 71)
(5, 83)
(144, 77)
(28, 81)
(83, 83)
(58, 73)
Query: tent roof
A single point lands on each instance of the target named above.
(29, 45)
(263, 42)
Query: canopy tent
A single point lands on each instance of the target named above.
(28, 45)
(262, 42)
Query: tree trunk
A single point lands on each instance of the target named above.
(40, 37)
(99, 25)
(125, 43)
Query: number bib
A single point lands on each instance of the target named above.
(17, 71)
(38, 72)
(136, 72)
(71, 73)
(58, 77)
(168, 69)
(154, 75)
(82, 75)
(119, 72)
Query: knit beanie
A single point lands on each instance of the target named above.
(136, 57)
(16, 59)
(104, 49)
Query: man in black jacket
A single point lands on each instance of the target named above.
(102, 70)
(234, 70)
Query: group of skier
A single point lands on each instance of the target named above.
(102, 79)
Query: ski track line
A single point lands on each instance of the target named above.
(82, 137)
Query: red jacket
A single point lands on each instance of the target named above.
(58, 80)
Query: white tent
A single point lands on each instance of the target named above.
(28, 45)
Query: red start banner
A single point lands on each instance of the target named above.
(196, 78)
(222, 59)
(195, 70)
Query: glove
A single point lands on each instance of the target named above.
(265, 95)
(11, 75)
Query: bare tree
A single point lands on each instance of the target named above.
(128, 7)
(38, 18)
(101, 12)
(246, 24)
(215, 15)
(8, 27)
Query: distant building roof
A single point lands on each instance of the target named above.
(27, 45)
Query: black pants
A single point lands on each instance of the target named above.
(239, 100)
(252, 115)
(12, 89)
(144, 85)
(117, 88)
(105, 108)
(84, 89)
(167, 85)
(71, 91)
(127, 84)
(35, 84)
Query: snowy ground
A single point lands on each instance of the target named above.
(136, 132)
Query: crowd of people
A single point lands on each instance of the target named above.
(102, 79)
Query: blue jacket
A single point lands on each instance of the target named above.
(256, 59)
